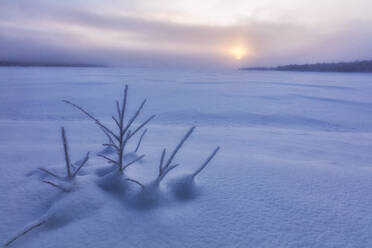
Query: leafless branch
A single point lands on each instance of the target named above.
(93, 118)
(134, 117)
(111, 145)
(123, 107)
(135, 181)
(108, 135)
(107, 158)
(206, 162)
(65, 149)
(119, 141)
(142, 125)
(81, 165)
(118, 108)
(30, 228)
(55, 185)
(116, 121)
(164, 169)
(132, 162)
(162, 161)
(140, 140)
(187, 135)
(50, 173)
(110, 138)
(172, 167)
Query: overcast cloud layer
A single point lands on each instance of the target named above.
(190, 32)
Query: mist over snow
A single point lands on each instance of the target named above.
(153, 33)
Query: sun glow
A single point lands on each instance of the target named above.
(238, 52)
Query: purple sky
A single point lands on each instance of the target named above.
(189, 32)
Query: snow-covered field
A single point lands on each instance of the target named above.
(294, 169)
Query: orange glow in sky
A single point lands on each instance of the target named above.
(238, 52)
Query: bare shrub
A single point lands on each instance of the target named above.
(119, 138)
(71, 172)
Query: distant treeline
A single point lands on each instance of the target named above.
(42, 64)
(357, 66)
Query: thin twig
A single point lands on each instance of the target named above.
(110, 139)
(169, 168)
(142, 125)
(140, 140)
(135, 181)
(121, 113)
(134, 117)
(118, 108)
(65, 148)
(206, 162)
(50, 173)
(105, 144)
(135, 160)
(107, 158)
(25, 232)
(165, 172)
(81, 165)
(187, 135)
(164, 169)
(123, 143)
(55, 185)
(123, 107)
(116, 121)
(108, 135)
(162, 161)
(111, 145)
(93, 118)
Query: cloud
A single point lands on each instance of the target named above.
(55, 31)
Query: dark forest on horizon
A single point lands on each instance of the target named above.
(356, 66)
(44, 64)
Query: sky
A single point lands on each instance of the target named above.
(185, 32)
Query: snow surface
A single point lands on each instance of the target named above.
(294, 170)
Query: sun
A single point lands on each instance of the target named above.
(238, 52)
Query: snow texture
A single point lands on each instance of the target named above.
(294, 168)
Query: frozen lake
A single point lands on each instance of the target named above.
(294, 100)
(295, 168)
